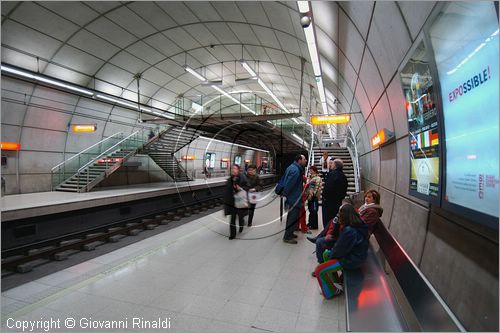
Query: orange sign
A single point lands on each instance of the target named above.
(188, 157)
(10, 146)
(84, 128)
(225, 159)
(330, 119)
(383, 136)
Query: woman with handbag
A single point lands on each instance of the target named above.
(255, 184)
(235, 201)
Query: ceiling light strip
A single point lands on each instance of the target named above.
(233, 144)
(90, 93)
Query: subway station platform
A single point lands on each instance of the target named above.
(19, 206)
(193, 278)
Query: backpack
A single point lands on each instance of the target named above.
(280, 187)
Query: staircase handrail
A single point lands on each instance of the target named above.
(106, 152)
(311, 145)
(179, 165)
(83, 151)
(355, 159)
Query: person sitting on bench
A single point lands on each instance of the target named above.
(326, 239)
(349, 252)
(371, 212)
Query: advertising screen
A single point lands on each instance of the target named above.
(422, 118)
(210, 160)
(468, 76)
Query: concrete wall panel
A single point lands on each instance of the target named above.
(42, 140)
(388, 163)
(415, 13)
(454, 259)
(389, 39)
(396, 101)
(408, 226)
(370, 78)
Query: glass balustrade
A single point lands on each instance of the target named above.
(99, 154)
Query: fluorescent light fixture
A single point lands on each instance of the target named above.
(303, 6)
(54, 82)
(212, 83)
(41, 78)
(117, 101)
(263, 85)
(313, 50)
(195, 73)
(248, 68)
(249, 80)
(232, 98)
(232, 144)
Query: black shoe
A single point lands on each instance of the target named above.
(290, 241)
(249, 225)
(311, 239)
(231, 237)
(294, 236)
(241, 229)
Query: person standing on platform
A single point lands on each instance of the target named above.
(237, 182)
(334, 191)
(302, 225)
(313, 196)
(293, 188)
(324, 161)
(255, 184)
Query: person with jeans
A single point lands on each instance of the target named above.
(255, 184)
(349, 252)
(293, 187)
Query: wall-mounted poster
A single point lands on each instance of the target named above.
(468, 75)
(423, 130)
(210, 160)
(237, 160)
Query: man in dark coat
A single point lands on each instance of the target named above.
(334, 191)
(293, 192)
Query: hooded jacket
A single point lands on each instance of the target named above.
(351, 249)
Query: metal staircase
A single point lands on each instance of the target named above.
(345, 156)
(83, 171)
(162, 148)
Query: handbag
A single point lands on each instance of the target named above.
(240, 199)
(254, 197)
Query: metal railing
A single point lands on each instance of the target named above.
(353, 151)
(129, 144)
(69, 167)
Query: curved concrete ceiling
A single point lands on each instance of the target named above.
(104, 44)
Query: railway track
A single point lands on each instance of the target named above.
(25, 258)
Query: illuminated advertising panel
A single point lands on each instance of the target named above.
(468, 75)
(418, 90)
(210, 160)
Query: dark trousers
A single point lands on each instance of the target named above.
(251, 211)
(329, 210)
(241, 222)
(312, 205)
(292, 219)
(321, 245)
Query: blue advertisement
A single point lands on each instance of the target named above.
(468, 74)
